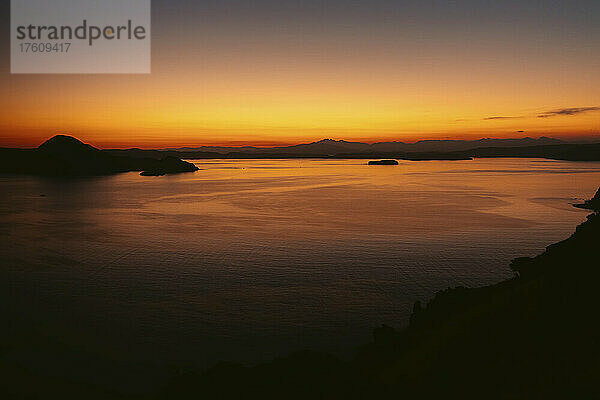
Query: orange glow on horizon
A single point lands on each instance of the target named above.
(256, 91)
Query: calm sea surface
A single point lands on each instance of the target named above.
(247, 259)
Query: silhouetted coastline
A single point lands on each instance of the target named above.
(531, 336)
(83, 159)
(67, 156)
(591, 204)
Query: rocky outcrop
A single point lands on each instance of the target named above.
(592, 204)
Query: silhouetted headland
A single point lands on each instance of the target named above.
(592, 204)
(168, 165)
(532, 336)
(384, 162)
(67, 156)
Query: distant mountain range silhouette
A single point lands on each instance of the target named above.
(64, 155)
(330, 146)
(543, 147)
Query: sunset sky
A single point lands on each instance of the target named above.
(283, 72)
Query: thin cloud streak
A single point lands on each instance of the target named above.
(499, 117)
(568, 111)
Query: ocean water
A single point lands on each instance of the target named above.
(248, 259)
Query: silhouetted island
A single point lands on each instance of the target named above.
(384, 162)
(67, 156)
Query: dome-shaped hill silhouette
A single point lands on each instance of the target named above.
(63, 144)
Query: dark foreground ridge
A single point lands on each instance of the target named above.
(534, 336)
(67, 156)
(592, 204)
